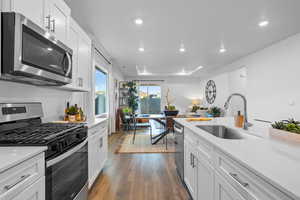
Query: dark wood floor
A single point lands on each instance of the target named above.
(137, 177)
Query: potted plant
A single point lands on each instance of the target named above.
(72, 112)
(132, 96)
(286, 130)
(170, 110)
(215, 111)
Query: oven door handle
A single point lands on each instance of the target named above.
(66, 154)
(69, 64)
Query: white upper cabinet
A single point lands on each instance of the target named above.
(32, 9)
(73, 43)
(84, 62)
(52, 15)
(81, 45)
(58, 17)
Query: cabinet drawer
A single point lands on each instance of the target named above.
(16, 179)
(34, 192)
(99, 128)
(247, 183)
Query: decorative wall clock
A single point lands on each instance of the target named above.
(211, 92)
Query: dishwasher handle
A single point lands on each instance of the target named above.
(178, 128)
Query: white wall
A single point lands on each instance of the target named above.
(269, 78)
(53, 100)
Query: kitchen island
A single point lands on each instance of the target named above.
(253, 167)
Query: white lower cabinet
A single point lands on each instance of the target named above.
(190, 171)
(198, 173)
(211, 174)
(205, 180)
(24, 181)
(34, 192)
(224, 191)
(98, 148)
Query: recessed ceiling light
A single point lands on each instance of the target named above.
(222, 50)
(182, 49)
(49, 49)
(263, 23)
(141, 49)
(138, 21)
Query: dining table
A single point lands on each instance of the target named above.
(160, 118)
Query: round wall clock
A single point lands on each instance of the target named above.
(211, 92)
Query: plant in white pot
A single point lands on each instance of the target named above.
(286, 130)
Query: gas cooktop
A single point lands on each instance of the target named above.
(21, 125)
(37, 134)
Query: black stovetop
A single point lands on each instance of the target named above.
(36, 134)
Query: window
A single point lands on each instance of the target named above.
(100, 92)
(150, 99)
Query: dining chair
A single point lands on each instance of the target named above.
(137, 124)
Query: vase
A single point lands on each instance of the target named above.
(171, 112)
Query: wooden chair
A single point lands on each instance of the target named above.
(125, 122)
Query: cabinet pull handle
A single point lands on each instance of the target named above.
(236, 177)
(53, 25)
(101, 142)
(48, 18)
(191, 159)
(21, 179)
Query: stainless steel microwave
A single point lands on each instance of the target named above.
(32, 55)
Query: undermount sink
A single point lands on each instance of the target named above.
(221, 132)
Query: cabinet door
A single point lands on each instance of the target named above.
(224, 191)
(73, 43)
(205, 180)
(59, 21)
(189, 169)
(84, 62)
(102, 151)
(32, 9)
(93, 142)
(35, 191)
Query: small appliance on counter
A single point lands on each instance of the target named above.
(67, 153)
(32, 55)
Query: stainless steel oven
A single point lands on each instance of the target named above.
(67, 174)
(31, 54)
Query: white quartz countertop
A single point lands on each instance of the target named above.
(11, 156)
(96, 122)
(277, 163)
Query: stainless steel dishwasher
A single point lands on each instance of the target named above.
(179, 149)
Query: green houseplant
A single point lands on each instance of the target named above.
(215, 111)
(286, 131)
(132, 96)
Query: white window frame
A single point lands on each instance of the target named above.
(99, 67)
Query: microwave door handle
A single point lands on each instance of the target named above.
(69, 64)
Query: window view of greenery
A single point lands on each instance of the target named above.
(100, 91)
(150, 99)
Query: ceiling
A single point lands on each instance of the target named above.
(202, 26)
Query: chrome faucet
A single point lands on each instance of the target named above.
(246, 123)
